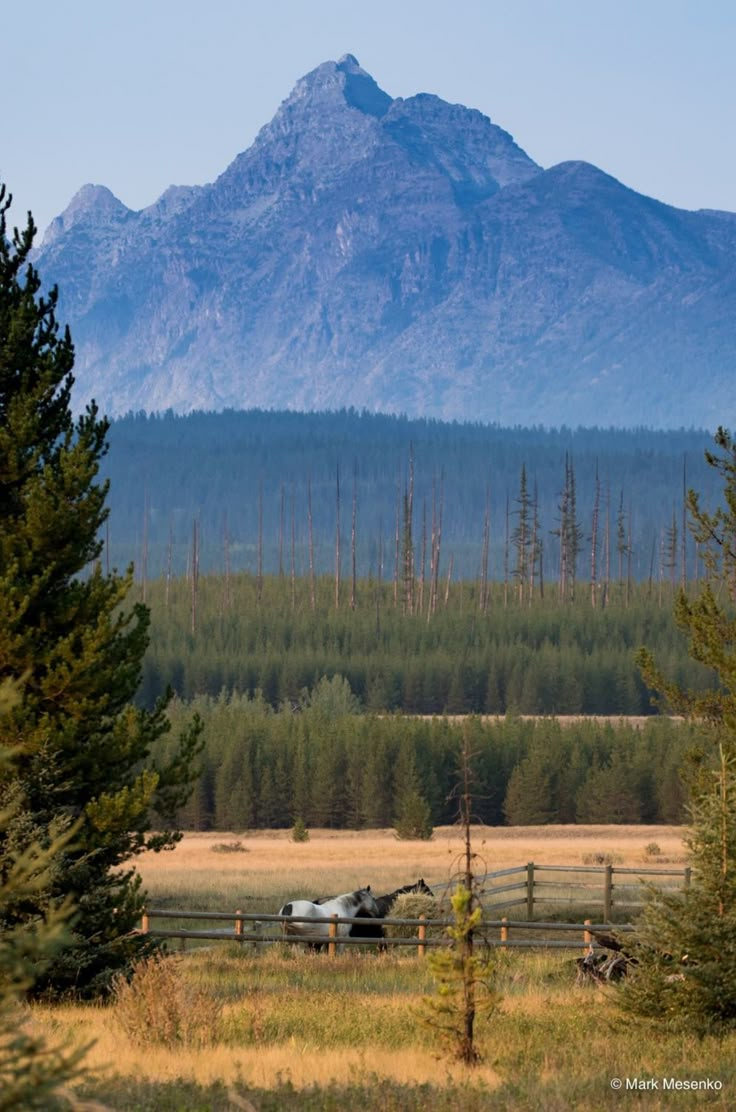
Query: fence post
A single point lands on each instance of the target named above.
(331, 947)
(144, 920)
(422, 936)
(608, 894)
(686, 878)
(504, 932)
(530, 890)
(587, 936)
(239, 926)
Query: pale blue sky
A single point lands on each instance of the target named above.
(148, 93)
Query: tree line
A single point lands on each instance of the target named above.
(326, 764)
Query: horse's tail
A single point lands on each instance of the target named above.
(286, 909)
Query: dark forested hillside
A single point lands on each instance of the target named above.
(245, 483)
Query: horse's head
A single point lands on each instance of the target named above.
(420, 886)
(366, 905)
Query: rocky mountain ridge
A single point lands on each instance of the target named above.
(399, 255)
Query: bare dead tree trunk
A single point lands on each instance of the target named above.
(259, 577)
(195, 573)
(432, 551)
(621, 540)
(397, 543)
(353, 563)
(506, 541)
(672, 550)
(379, 578)
(483, 599)
(281, 533)
(168, 564)
(534, 542)
(293, 548)
(337, 537)
(409, 537)
(439, 543)
(629, 550)
(594, 542)
(683, 541)
(607, 547)
(226, 544)
(380, 553)
(312, 589)
(420, 600)
(449, 580)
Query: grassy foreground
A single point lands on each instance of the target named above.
(284, 1029)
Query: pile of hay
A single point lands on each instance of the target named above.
(410, 906)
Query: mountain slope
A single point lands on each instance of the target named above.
(399, 255)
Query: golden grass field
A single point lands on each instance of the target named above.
(298, 1030)
(272, 869)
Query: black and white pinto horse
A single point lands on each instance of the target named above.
(316, 930)
(384, 904)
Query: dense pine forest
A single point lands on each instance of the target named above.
(309, 690)
(316, 579)
(324, 762)
(473, 649)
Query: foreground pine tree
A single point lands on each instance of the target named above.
(686, 946)
(32, 1072)
(83, 751)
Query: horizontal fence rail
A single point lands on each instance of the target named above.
(484, 933)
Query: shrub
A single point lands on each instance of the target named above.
(602, 858)
(652, 849)
(229, 847)
(414, 820)
(157, 1005)
(299, 832)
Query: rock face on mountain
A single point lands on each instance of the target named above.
(400, 255)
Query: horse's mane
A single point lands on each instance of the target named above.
(356, 897)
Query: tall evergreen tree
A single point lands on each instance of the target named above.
(87, 757)
(702, 923)
(413, 818)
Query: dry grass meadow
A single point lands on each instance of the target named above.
(270, 868)
(282, 1029)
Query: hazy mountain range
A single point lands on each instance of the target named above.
(400, 255)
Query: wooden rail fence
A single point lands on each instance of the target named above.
(529, 891)
(608, 894)
(257, 935)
